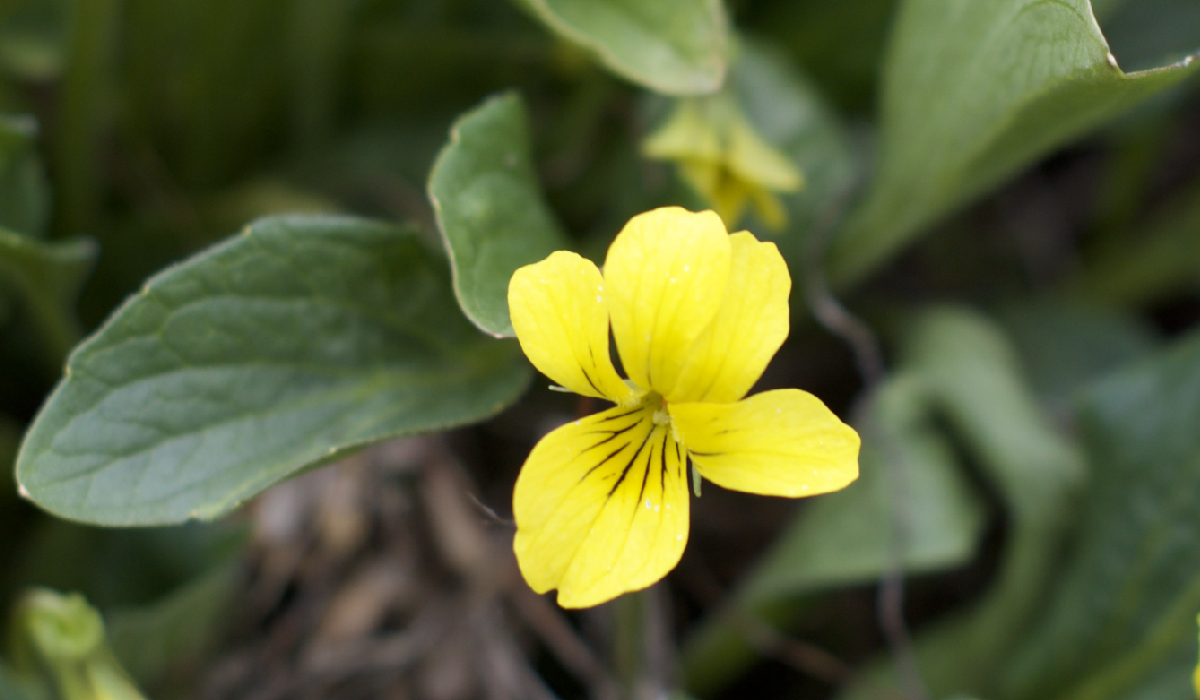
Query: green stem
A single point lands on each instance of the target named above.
(628, 640)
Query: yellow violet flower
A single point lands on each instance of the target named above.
(601, 504)
(722, 157)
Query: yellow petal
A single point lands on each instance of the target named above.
(703, 176)
(560, 315)
(778, 443)
(769, 209)
(713, 183)
(751, 325)
(667, 273)
(729, 199)
(686, 134)
(754, 160)
(601, 507)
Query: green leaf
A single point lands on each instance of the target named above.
(1173, 682)
(1150, 33)
(278, 350)
(10, 439)
(318, 41)
(490, 209)
(45, 279)
(850, 536)
(973, 372)
(152, 639)
(85, 110)
(972, 93)
(840, 44)
(1127, 604)
(10, 689)
(1152, 262)
(676, 47)
(789, 112)
(121, 568)
(975, 382)
(24, 195)
(1064, 345)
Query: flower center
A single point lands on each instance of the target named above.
(656, 402)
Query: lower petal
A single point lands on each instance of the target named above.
(601, 507)
(777, 443)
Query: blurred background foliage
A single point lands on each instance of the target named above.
(1017, 220)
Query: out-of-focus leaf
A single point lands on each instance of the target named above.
(1103, 9)
(24, 197)
(10, 689)
(974, 375)
(1161, 259)
(973, 92)
(789, 112)
(151, 639)
(490, 209)
(1150, 33)
(1127, 603)
(261, 198)
(1064, 345)
(45, 278)
(205, 87)
(281, 349)
(974, 380)
(320, 38)
(850, 536)
(32, 38)
(120, 568)
(840, 44)
(1172, 682)
(85, 110)
(10, 439)
(677, 47)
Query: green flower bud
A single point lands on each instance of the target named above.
(58, 641)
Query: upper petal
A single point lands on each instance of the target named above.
(560, 316)
(601, 507)
(667, 272)
(734, 350)
(778, 443)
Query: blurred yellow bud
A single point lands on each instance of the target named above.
(724, 159)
